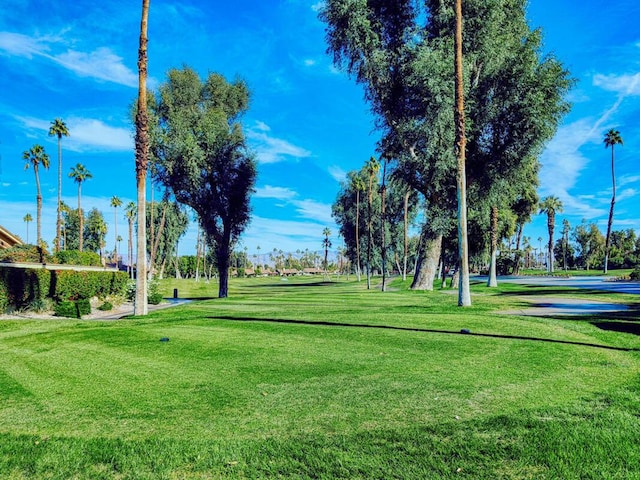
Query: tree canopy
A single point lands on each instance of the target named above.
(199, 151)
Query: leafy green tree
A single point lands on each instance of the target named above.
(358, 185)
(59, 129)
(142, 160)
(95, 232)
(611, 139)
(550, 206)
(171, 224)
(200, 153)
(27, 219)
(80, 174)
(71, 228)
(590, 244)
(35, 157)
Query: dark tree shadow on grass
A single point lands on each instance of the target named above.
(415, 329)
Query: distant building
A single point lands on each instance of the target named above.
(8, 239)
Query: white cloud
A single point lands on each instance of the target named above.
(626, 193)
(279, 193)
(309, 62)
(101, 64)
(86, 134)
(627, 85)
(627, 179)
(338, 174)
(271, 149)
(316, 7)
(320, 212)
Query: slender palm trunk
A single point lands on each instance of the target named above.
(383, 239)
(406, 235)
(358, 234)
(80, 218)
(142, 158)
(59, 217)
(130, 249)
(607, 243)
(464, 293)
(38, 207)
(551, 223)
(493, 279)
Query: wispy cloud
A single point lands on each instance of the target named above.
(627, 85)
(278, 193)
(270, 149)
(338, 174)
(320, 212)
(101, 64)
(86, 134)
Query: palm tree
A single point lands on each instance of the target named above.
(37, 156)
(373, 167)
(358, 185)
(80, 174)
(27, 218)
(551, 205)
(115, 203)
(130, 212)
(142, 159)
(59, 129)
(611, 139)
(326, 244)
(464, 292)
(566, 228)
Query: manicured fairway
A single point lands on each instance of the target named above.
(305, 379)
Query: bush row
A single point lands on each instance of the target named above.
(21, 288)
(32, 253)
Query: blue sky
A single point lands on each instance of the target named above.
(308, 123)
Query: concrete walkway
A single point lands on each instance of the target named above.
(547, 306)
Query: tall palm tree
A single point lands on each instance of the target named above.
(142, 159)
(566, 228)
(357, 183)
(27, 218)
(59, 129)
(326, 244)
(130, 212)
(36, 156)
(464, 292)
(551, 205)
(372, 167)
(80, 174)
(115, 203)
(611, 139)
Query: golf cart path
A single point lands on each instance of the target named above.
(545, 306)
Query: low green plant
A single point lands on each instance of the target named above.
(635, 274)
(76, 257)
(105, 307)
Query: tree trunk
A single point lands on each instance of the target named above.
(156, 243)
(406, 234)
(383, 240)
(551, 220)
(59, 213)
(358, 271)
(464, 293)
(427, 266)
(130, 250)
(142, 159)
(493, 279)
(80, 219)
(516, 266)
(607, 243)
(223, 257)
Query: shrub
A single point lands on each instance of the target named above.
(635, 274)
(105, 307)
(71, 285)
(19, 288)
(66, 308)
(76, 257)
(24, 253)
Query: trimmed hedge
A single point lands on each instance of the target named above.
(24, 253)
(19, 287)
(76, 257)
(71, 309)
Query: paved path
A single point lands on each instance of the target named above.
(549, 305)
(593, 283)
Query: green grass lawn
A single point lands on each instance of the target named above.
(298, 378)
